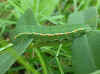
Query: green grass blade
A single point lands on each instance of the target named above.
(6, 59)
(45, 71)
(59, 65)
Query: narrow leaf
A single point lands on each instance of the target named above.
(6, 59)
(82, 58)
(94, 42)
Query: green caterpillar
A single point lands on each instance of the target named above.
(27, 26)
(58, 35)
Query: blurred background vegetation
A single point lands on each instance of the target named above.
(11, 10)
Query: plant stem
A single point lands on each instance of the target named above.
(41, 61)
(75, 6)
(59, 65)
(60, 46)
(24, 62)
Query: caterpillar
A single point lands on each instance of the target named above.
(27, 26)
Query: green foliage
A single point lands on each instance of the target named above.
(87, 17)
(47, 48)
(96, 72)
(7, 58)
(41, 9)
(44, 8)
(93, 40)
(82, 58)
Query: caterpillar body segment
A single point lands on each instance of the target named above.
(55, 36)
